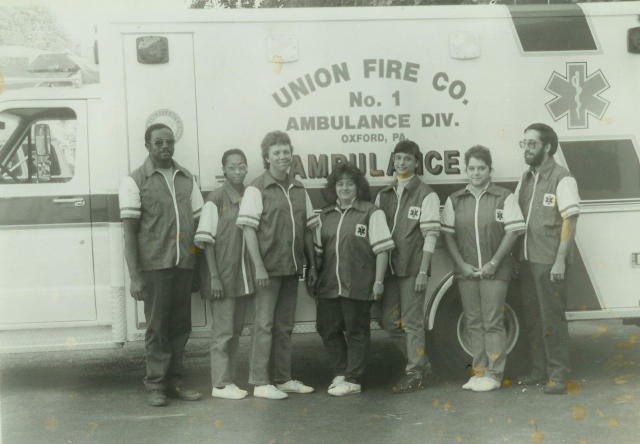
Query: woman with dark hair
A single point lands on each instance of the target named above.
(481, 224)
(352, 243)
(229, 282)
(277, 219)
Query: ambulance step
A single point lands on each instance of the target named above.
(56, 339)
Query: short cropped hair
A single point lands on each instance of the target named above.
(231, 152)
(478, 152)
(347, 170)
(271, 139)
(547, 135)
(152, 128)
(408, 147)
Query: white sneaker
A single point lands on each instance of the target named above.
(268, 392)
(337, 380)
(230, 391)
(293, 386)
(485, 384)
(471, 382)
(344, 388)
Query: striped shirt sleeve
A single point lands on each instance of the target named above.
(208, 226)
(448, 217)
(379, 235)
(250, 208)
(568, 197)
(196, 200)
(512, 216)
(313, 219)
(129, 198)
(430, 214)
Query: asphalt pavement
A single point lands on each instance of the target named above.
(98, 397)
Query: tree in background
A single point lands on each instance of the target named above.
(33, 27)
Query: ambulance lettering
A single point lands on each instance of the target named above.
(577, 95)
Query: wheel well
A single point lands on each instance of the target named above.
(434, 302)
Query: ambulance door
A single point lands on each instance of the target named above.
(160, 88)
(607, 171)
(46, 263)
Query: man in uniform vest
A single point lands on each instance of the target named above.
(159, 204)
(549, 200)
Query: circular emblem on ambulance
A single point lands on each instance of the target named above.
(169, 118)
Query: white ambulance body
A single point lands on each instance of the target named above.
(344, 83)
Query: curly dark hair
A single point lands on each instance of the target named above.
(350, 171)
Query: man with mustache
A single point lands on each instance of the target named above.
(549, 200)
(159, 204)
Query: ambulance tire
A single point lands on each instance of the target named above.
(445, 341)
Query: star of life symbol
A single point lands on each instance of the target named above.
(414, 213)
(361, 230)
(577, 95)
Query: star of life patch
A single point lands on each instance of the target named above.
(361, 230)
(549, 200)
(499, 215)
(414, 213)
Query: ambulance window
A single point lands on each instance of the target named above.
(604, 169)
(38, 145)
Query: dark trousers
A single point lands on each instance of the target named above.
(343, 325)
(544, 303)
(167, 309)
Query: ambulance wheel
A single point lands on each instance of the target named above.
(449, 345)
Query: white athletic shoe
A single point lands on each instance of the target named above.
(486, 384)
(229, 391)
(470, 383)
(344, 388)
(268, 391)
(293, 386)
(337, 380)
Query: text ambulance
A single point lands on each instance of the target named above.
(346, 84)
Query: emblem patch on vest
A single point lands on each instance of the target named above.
(361, 230)
(499, 215)
(549, 200)
(414, 213)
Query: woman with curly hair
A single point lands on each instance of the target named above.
(352, 244)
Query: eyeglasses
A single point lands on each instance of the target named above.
(159, 143)
(238, 169)
(529, 143)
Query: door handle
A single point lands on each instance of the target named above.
(76, 201)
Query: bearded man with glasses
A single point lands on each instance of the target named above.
(549, 200)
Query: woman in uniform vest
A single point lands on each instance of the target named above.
(481, 223)
(229, 279)
(352, 243)
(277, 219)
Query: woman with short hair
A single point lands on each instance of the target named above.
(229, 282)
(277, 219)
(481, 223)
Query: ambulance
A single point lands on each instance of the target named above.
(346, 84)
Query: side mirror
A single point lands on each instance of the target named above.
(42, 137)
